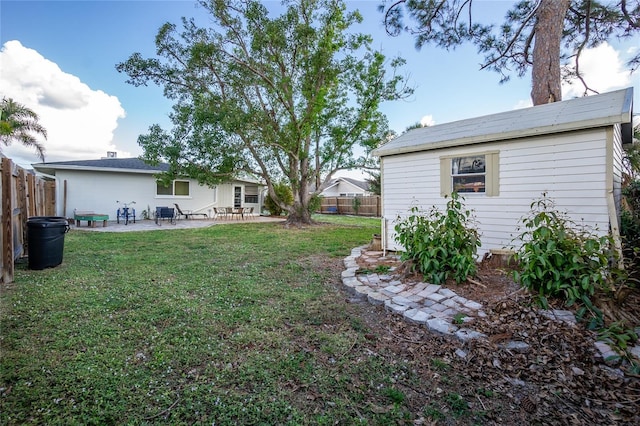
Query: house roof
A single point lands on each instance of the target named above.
(114, 165)
(357, 183)
(575, 114)
(129, 165)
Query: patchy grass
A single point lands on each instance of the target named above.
(237, 323)
(249, 324)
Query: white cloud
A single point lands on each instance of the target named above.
(427, 120)
(80, 121)
(602, 69)
(523, 103)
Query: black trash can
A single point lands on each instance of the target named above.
(45, 238)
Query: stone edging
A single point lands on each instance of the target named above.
(441, 310)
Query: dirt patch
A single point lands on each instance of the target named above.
(529, 370)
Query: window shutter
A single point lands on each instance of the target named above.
(493, 175)
(445, 177)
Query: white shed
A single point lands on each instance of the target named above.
(501, 163)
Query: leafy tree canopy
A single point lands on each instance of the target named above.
(20, 124)
(284, 98)
(547, 36)
(374, 181)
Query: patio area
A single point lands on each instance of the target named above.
(150, 225)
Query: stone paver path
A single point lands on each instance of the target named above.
(440, 309)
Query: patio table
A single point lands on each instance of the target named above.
(91, 219)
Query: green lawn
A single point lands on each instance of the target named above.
(243, 323)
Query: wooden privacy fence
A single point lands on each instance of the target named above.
(360, 206)
(23, 195)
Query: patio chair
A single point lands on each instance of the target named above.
(165, 213)
(188, 213)
(219, 212)
(237, 212)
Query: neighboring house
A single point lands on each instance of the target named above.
(501, 163)
(346, 187)
(102, 186)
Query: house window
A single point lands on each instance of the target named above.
(251, 194)
(177, 188)
(164, 190)
(473, 173)
(181, 187)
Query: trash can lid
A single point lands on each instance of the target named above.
(44, 223)
(49, 218)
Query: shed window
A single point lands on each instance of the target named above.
(468, 174)
(473, 173)
(177, 188)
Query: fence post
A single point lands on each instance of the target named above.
(50, 198)
(7, 222)
(21, 201)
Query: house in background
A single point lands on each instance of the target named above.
(571, 150)
(346, 187)
(102, 186)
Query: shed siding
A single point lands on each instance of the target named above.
(570, 168)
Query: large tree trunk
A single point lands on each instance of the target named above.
(545, 74)
(299, 214)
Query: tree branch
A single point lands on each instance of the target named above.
(515, 38)
(587, 32)
(386, 17)
(627, 17)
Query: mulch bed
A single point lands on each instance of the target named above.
(556, 378)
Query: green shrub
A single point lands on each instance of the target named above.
(284, 194)
(618, 335)
(441, 244)
(630, 229)
(315, 203)
(630, 217)
(357, 202)
(558, 258)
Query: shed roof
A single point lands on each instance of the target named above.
(581, 113)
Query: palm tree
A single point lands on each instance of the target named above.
(19, 123)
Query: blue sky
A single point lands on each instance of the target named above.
(59, 57)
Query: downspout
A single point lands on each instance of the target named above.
(615, 231)
(383, 236)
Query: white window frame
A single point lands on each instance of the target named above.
(173, 189)
(249, 192)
